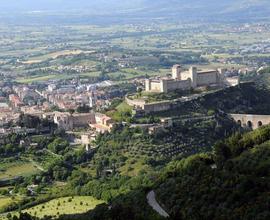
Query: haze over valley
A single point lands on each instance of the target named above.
(134, 109)
(66, 11)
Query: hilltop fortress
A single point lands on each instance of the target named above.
(185, 80)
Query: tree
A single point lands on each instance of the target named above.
(222, 153)
(58, 145)
(71, 111)
(83, 109)
(29, 121)
(140, 92)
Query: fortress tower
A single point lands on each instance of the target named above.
(193, 76)
(185, 80)
(164, 86)
(92, 100)
(221, 76)
(148, 85)
(176, 72)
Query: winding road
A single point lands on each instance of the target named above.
(151, 199)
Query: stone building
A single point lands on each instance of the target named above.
(102, 123)
(97, 121)
(87, 139)
(67, 121)
(185, 80)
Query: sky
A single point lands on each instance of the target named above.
(148, 9)
(63, 4)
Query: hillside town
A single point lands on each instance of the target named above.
(134, 110)
(75, 105)
(69, 106)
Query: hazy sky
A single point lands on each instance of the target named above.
(118, 4)
(148, 9)
(64, 4)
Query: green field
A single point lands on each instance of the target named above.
(133, 167)
(130, 73)
(120, 111)
(38, 79)
(124, 107)
(125, 74)
(66, 205)
(14, 169)
(55, 77)
(144, 48)
(6, 201)
(55, 55)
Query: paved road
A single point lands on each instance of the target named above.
(151, 199)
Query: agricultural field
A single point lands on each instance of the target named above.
(6, 201)
(67, 205)
(55, 207)
(55, 55)
(38, 79)
(10, 170)
(124, 52)
(55, 77)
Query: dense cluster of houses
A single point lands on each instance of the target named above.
(54, 102)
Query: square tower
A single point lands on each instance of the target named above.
(176, 71)
(193, 76)
(148, 85)
(221, 76)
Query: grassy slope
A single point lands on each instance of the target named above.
(55, 77)
(6, 201)
(119, 112)
(60, 206)
(14, 169)
(79, 204)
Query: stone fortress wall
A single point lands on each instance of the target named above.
(188, 79)
(149, 107)
(138, 103)
(183, 81)
(209, 78)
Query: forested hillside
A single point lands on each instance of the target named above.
(232, 182)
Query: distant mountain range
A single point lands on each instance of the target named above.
(142, 9)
